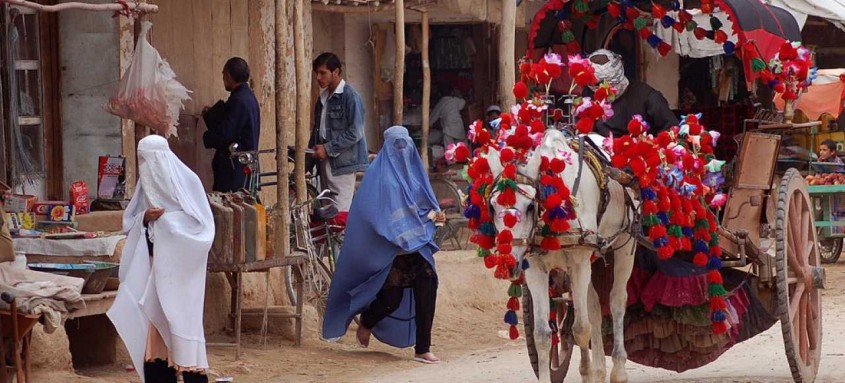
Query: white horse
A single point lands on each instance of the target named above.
(587, 236)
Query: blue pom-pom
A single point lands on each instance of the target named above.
(654, 41)
(729, 47)
(711, 35)
(510, 318)
(667, 21)
(719, 316)
(472, 211)
(660, 242)
(648, 194)
(525, 264)
(700, 246)
(663, 217)
(714, 263)
(687, 232)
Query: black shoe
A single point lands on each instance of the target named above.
(194, 377)
(158, 371)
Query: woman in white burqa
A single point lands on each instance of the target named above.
(159, 307)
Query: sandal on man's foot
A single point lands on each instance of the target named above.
(427, 358)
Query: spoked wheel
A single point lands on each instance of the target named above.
(799, 278)
(317, 279)
(559, 355)
(830, 249)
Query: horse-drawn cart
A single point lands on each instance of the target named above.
(782, 284)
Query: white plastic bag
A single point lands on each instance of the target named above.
(149, 93)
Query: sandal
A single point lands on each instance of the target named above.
(427, 358)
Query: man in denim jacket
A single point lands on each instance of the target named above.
(338, 133)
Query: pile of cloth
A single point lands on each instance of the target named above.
(54, 297)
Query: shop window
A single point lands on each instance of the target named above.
(26, 48)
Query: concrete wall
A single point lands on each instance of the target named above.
(360, 68)
(89, 72)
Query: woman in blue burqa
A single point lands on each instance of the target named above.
(385, 270)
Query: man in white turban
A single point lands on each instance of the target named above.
(632, 98)
(158, 311)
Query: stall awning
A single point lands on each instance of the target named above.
(831, 10)
(825, 96)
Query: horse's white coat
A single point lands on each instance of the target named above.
(575, 260)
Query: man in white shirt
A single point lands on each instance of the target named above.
(448, 112)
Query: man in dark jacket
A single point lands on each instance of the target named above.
(338, 133)
(633, 97)
(239, 123)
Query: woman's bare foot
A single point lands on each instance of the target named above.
(427, 358)
(363, 337)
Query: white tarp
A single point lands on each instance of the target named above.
(832, 10)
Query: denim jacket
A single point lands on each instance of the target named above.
(345, 143)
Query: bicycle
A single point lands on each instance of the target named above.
(320, 251)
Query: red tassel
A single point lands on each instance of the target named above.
(504, 248)
(510, 220)
(720, 328)
(665, 252)
(664, 48)
(504, 237)
(553, 201)
(506, 155)
(513, 304)
(714, 276)
(560, 226)
(700, 260)
(717, 303)
(490, 261)
(513, 333)
(485, 242)
(557, 165)
(550, 243)
(506, 198)
(716, 251)
(502, 272)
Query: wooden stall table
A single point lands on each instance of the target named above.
(18, 328)
(234, 274)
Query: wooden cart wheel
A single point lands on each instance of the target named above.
(560, 355)
(799, 278)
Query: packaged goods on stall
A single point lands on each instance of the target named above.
(55, 211)
(111, 178)
(18, 221)
(149, 93)
(17, 203)
(79, 197)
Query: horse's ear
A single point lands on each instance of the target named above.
(495, 163)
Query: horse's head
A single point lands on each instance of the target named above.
(522, 210)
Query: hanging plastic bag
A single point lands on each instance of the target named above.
(149, 93)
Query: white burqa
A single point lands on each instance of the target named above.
(167, 290)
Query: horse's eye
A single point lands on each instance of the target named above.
(530, 207)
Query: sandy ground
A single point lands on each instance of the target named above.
(467, 336)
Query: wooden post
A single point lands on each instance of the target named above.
(303, 96)
(285, 114)
(126, 43)
(426, 96)
(399, 69)
(506, 54)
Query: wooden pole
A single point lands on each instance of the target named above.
(506, 54)
(399, 69)
(426, 96)
(285, 114)
(131, 6)
(126, 44)
(303, 96)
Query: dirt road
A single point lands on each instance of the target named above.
(467, 337)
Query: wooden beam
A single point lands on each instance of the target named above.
(126, 43)
(506, 54)
(285, 115)
(426, 95)
(320, 7)
(399, 68)
(303, 97)
(113, 7)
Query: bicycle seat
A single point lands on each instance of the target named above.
(324, 213)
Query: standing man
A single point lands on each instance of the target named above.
(239, 121)
(337, 137)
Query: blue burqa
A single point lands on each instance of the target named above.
(388, 217)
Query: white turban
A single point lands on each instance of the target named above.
(612, 70)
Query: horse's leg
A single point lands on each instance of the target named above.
(623, 265)
(596, 339)
(537, 279)
(580, 274)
